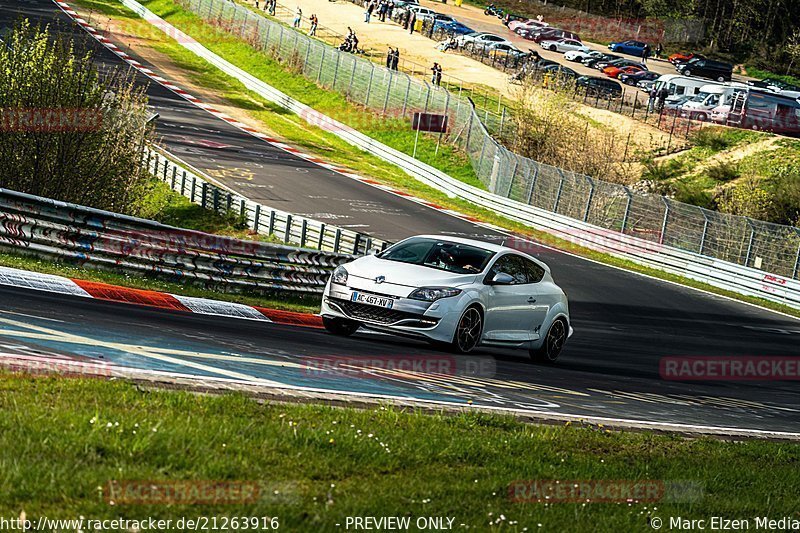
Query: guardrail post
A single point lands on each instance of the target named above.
(588, 200)
(183, 183)
(242, 209)
(627, 209)
(303, 230)
(705, 231)
(287, 235)
(533, 184)
(369, 245)
(203, 191)
(215, 197)
(166, 169)
(750, 242)
(560, 188)
(321, 241)
(174, 176)
(194, 186)
(337, 239)
(666, 216)
(356, 243)
(256, 216)
(229, 201)
(796, 261)
(271, 227)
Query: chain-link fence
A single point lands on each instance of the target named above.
(771, 247)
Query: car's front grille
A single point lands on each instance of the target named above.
(374, 313)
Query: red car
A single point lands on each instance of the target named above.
(682, 58)
(614, 72)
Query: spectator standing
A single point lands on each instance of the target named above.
(411, 21)
(659, 50)
(298, 16)
(390, 58)
(314, 23)
(645, 53)
(395, 59)
(382, 10)
(662, 98)
(368, 12)
(389, 9)
(272, 5)
(436, 76)
(651, 103)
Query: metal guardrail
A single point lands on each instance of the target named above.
(291, 229)
(109, 241)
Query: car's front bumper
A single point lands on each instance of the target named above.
(431, 320)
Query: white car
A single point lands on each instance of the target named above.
(580, 55)
(480, 40)
(720, 114)
(530, 24)
(564, 45)
(461, 292)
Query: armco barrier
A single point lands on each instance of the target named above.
(287, 227)
(110, 241)
(590, 213)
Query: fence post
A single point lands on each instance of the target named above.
(750, 242)
(256, 216)
(513, 175)
(336, 70)
(321, 241)
(271, 228)
(533, 184)
(388, 92)
(174, 175)
(321, 64)
(194, 186)
(352, 77)
(796, 261)
(215, 197)
(337, 239)
(303, 230)
(627, 209)
(369, 85)
(183, 183)
(242, 209)
(203, 192)
(287, 234)
(480, 161)
(560, 188)
(356, 243)
(588, 200)
(666, 216)
(408, 90)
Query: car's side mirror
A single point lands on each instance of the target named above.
(501, 278)
(374, 251)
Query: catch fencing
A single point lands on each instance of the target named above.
(109, 241)
(772, 248)
(286, 227)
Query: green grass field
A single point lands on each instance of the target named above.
(62, 441)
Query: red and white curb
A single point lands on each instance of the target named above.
(174, 302)
(173, 32)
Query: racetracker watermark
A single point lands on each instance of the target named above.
(639, 242)
(29, 365)
(724, 368)
(143, 492)
(411, 367)
(603, 491)
(53, 120)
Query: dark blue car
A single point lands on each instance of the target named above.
(633, 48)
(453, 27)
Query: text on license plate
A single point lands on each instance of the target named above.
(372, 300)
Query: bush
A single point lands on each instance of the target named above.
(723, 171)
(660, 170)
(715, 139)
(66, 132)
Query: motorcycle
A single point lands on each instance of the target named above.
(494, 11)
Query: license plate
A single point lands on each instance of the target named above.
(370, 299)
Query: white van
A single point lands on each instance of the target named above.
(679, 86)
(709, 97)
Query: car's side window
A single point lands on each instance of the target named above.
(513, 266)
(535, 272)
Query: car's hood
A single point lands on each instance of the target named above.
(404, 274)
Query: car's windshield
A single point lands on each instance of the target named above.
(439, 254)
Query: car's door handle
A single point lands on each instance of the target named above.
(531, 300)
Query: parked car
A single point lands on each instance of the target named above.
(454, 28)
(613, 71)
(707, 68)
(635, 77)
(480, 40)
(597, 86)
(578, 56)
(673, 107)
(421, 12)
(502, 50)
(720, 114)
(634, 48)
(460, 292)
(515, 25)
(619, 63)
(678, 86)
(683, 57)
(710, 96)
(560, 71)
(553, 34)
(564, 45)
(437, 17)
(592, 61)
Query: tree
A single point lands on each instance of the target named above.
(792, 49)
(66, 132)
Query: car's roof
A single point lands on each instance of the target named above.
(480, 244)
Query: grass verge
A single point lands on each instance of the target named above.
(294, 130)
(314, 466)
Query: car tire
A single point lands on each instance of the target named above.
(469, 331)
(721, 79)
(553, 343)
(702, 117)
(687, 72)
(553, 48)
(340, 326)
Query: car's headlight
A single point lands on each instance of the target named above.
(430, 294)
(339, 275)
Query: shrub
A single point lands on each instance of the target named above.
(715, 139)
(65, 131)
(723, 171)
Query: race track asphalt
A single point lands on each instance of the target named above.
(624, 323)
